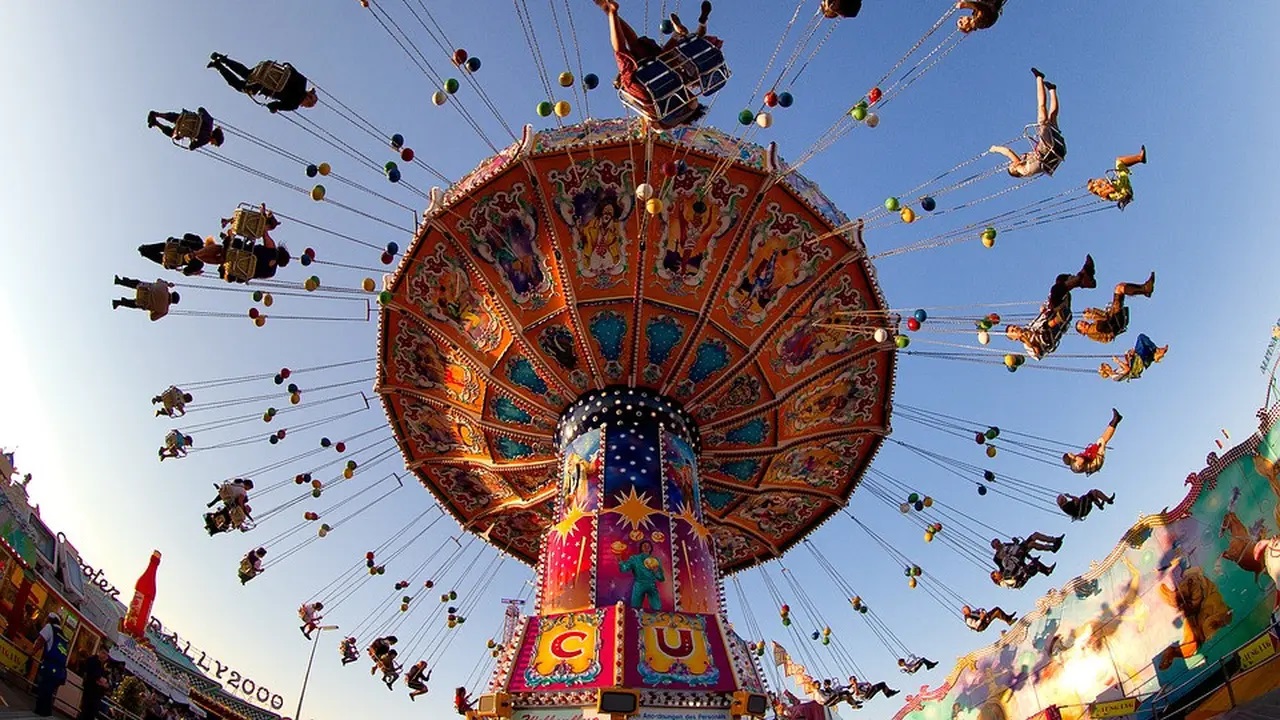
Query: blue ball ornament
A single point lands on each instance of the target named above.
(590, 81)
(473, 64)
(393, 247)
(928, 204)
(394, 175)
(982, 489)
(312, 171)
(305, 260)
(273, 439)
(397, 141)
(785, 99)
(667, 27)
(920, 315)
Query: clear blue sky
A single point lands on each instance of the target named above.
(83, 182)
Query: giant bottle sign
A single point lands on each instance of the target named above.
(144, 596)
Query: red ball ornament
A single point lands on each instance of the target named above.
(670, 167)
(368, 555)
(387, 258)
(340, 446)
(310, 252)
(285, 373)
(459, 56)
(874, 96)
(253, 313)
(771, 99)
(406, 155)
(913, 324)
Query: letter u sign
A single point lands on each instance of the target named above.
(675, 643)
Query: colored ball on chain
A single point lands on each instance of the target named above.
(984, 337)
(1010, 360)
(317, 193)
(764, 120)
(913, 324)
(874, 95)
(397, 141)
(340, 446)
(295, 398)
(880, 335)
(368, 285)
(459, 56)
(858, 113)
(653, 206)
(904, 508)
(544, 108)
(988, 475)
(785, 100)
(293, 388)
(279, 379)
(892, 204)
(920, 315)
(982, 489)
(393, 247)
(348, 473)
(993, 318)
(902, 341)
(260, 320)
(667, 27)
(566, 79)
(253, 313)
(387, 258)
(439, 98)
(273, 439)
(257, 296)
(873, 120)
(306, 260)
(908, 215)
(324, 168)
(325, 442)
(389, 166)
(384, 297)
(919, 506)
(267, 300)
(993, 432)
(644, 191)
(989, 238)
(394, 175)
(407, 155)
(991, 451)
(451, 85)
(473, 64)
(312, 171)
(670, 167)
(591, 81)
(928, 204)
(913, 498)
(746, 117)
(980, 438)
(771, 99)
(563, 109)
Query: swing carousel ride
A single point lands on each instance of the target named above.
(638, 354)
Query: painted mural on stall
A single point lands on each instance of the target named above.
(1183, 590)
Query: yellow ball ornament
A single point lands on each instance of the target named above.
(295, 398)
(562, 109)
(653, 206)
(267, 300)
(324, 168)
(260, 320)
(368, 285)
(566, 79)
(908, 215)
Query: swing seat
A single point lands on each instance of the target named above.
(240, 265)
(1045, 333)
(667, 90)
(1052, 150)
(701, 57)
(186, 129)
(175, 255)
(248, 223)
(269, 77)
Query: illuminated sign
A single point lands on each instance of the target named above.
(1257, 652)
(1113, 708)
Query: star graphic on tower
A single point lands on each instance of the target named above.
(569, 523)
(634, 509)
(699, 530)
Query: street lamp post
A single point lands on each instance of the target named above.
(319, 629)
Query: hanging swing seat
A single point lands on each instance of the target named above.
(187, 128)
(176, 255)
(248, 222)
(1043, 334)
(239, 265)
(1047, 142)
(268, 78)
(692, 67)
(226, 520)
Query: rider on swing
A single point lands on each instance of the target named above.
(251, 565)
(1039, 339)
(1050, 148)
(1144, 354)
(631, 49)
(173, 402)
(1119, 189)
(207, 133)
(416, 679)
(292, 95)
